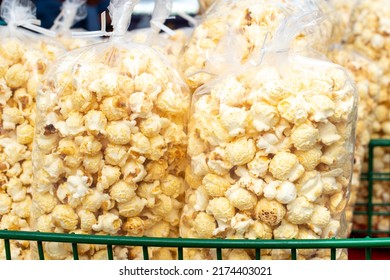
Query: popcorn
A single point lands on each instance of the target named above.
(215, 185)
(65, 217)
(304, 137)
(119, 133)
(285, 166)
(264, 116)
(299, 211)
(286, 230)
(204, 225)
(241, 151)
(270, 212)
(283, 192)
(109, 223)
(240, 198)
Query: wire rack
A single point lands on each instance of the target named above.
(367, 244)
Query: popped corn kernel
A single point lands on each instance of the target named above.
(285, 166)
(65, 217)
(270, 212)
(204, 225)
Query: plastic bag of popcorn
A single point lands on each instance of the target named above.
(72, 11)
(253, 21)
(370, 35)
(366, 75)
(110, 143)
(271, 146)
(24, 56)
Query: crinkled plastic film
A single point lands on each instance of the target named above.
(24, 56)
(110, 145)
(370, 36)
(366, 75)
(271, 148)
(253, 22)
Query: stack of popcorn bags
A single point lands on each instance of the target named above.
(270, 140)
(110, 144)
(24, 57)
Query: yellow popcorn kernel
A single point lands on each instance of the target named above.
(87, 220)
(131, 208)
(320, 217)
(162, 206)
(191, 179)
(204, 225)
(88, 145)
(264, 117)
(148, 84)
(133, 171)
(221, 209)
(122, 192)
(44, 223)
(241, 151)
(285, 166)
(304, 137)
(270, 212)
(158, 147)
(172, 186)
(11, 117)
(24, 133)
(259, 230)
(258, 167)
(116, 155)
(16, 76)
(241, 198)
(134, 226)
(238, 254)
(310, 186)
(115, 108)
(94, 200)
(119, 133)
(140, 104)
(22, 208)
(151, 126)
(44, 202)
(12, 50)
(139, 143)
(299, 211)
(27, 173)
(159, 229)
(65, 217)
(83, 100)
(215, 185)
(5, 203)
(286, 230)
(156, 170)
(92, 164)
(310, 158)
(125, 85)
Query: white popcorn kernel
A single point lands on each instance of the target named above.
(240, 151)
(299, 211)
(222, 210)
(320, 218)
(73, 125)
(109, 176)
(88, 145)
(310, 186)
(271, 144)
(331, 230)
(264, 117)
(229, 92)
(322, 107)
(218, 162)
(149, 191)
(15, 189)
(148, 84)
(199, 165)
(258, 167)
(328, 133)
(330, 184)
(140, 143)
(78, 185)
(241, 198)
(140, 104)
(54, 166)
(11, 117)
(14, 151)
(5, 203)
(285, 166)
(284, 192)
(233, 119)
(94, 200)
(116, 155)
(132, 208)
(109, 223)
(115, 108)
(294, 109)
(95, 122)
(255, 185)
(58, 251)
(17, 76)
(201, 199)
(304, 137)
(169, 103)
(241, 223)
(133, 172)
(259, 230)
(270, 212)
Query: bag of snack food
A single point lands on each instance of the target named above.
(110, 144)
(24, 57)
(271, 146)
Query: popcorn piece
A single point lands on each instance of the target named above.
(72, 126)
(115, 108)
(270, 212)
(222, 210)
(58, 251)
(11, 117)
(286, 230)
(122, 192)
(299, 211)
(285, 166)
(204, 225)
(241, 198)
(134, 226)
(304, 137)
(16, 76)
(241, 151)
(44, 202)
(215, 185)
(140, 104)
(78, 185)
(65, 217)
(254, 185)
(328, 133)
(241, 223)
(310, 159)
(218, 162)
(116, 155)
(234, 120)
(87, 220)
(310, 186)
(229, 92)
(5, 203)
(109, 223)
(15, 189)
(119, 133)
(259, 230)
(95, 122)
(258, 167)
(24, 133)
(172, 186)
(320, 218)
(284, 192)
(88, 145)
(151, 126)
(131, 208)
(264, 116)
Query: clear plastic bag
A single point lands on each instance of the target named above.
(110, 144)
(24, 56)
(253, 21)
(271, 147)
(370, 36)
(366, 75)
(72, 11)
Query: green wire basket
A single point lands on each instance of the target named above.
(371, 177)
(368, 243)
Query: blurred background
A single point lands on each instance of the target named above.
(47, 11)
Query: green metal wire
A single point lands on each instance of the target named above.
(258, 254)
(7, 249)
(146, 252)
(41, 254)
(180, 253)
(293, 253)
(110, 253)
